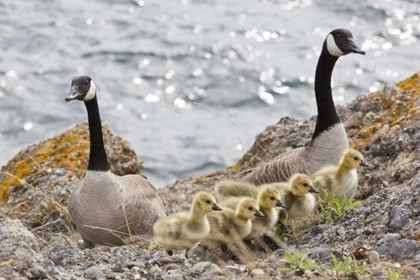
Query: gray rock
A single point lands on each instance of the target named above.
(398, 249)
(321, 255)
(399, 218)
(205, 269)
(93, 272)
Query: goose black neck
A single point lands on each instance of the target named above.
(97, 159)
(327, 116)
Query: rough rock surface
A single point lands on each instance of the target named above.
(384, 230)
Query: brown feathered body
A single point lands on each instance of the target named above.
(107, 208)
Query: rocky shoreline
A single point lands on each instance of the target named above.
(38, 241)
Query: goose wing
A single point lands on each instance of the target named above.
(143, 206)
(280, 169)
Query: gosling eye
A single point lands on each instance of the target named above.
(305, 184)
(272, 198)
(356, 158)
(250, 208)
(208, 201)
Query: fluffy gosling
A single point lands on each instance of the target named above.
(297, 196)
(231, 225)
(342, 179)
(235, 188)
(268, 200)
(184, 231)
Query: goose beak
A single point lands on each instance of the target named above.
(258, 213)
(313, 190)
(73, 94)
(352, 47)
(363, 163)
(216, 207)
(280, 204)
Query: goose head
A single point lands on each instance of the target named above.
(340, 42)
(248, 209)
(301, 184)
(269, 197)
(204, 203)
(82, 88)
(352, 159)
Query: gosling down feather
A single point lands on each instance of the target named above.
(342, 179)
(297, 196)
(268, 199)
(108, 209)
(184, 231)
(329, 139)
(231, 225)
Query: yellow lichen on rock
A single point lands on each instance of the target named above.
(68, 152)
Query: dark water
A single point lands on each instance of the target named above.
(250, 60)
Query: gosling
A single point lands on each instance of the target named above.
(231, 225)
(268, 200)
(342, 179)
(235, 188)
(184, 231)
(297, 197)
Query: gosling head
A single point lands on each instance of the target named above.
(248, 209)
(352, 159)
(82, 88)
(340, 42)
(301, 184)
(269, 197)
(205, 203)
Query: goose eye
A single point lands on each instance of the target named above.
(356, 158)
(305, 184)
(86, 82)
(272, 198)
(250, 208)
(208, 201)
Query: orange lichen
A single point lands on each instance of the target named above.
(68, 150)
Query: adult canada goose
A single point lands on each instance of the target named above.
(231, 225)
(183, 231)
(268, 199)
(297, 196)
(329, 139)
(107, 208)
(342, 179)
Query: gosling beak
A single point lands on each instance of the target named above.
(352, 47)
(363, 163)
(280, 204)
(73, 94)
(284, 228)
(258, 213)
(216, 207)
(313, 190)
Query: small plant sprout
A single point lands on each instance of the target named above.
(348, 267)
(333, 207)
(299, 261)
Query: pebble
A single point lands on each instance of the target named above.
(373, 257)
(93, 272)
(257, 272)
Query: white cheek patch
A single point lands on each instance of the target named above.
(91, 93)
(332, 47)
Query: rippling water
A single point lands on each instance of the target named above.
(250, 60)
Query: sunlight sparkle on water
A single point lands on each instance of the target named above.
(239, 147)
(137, 80)
(170, 89)
(27, 126)
(151, 97)
(89, 21)
(120, 106)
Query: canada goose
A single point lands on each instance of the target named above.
(296, 195)
(268, 199)
(183, 231)
(341, 179)
(329, 139)
(106, 207)
(231, 225)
